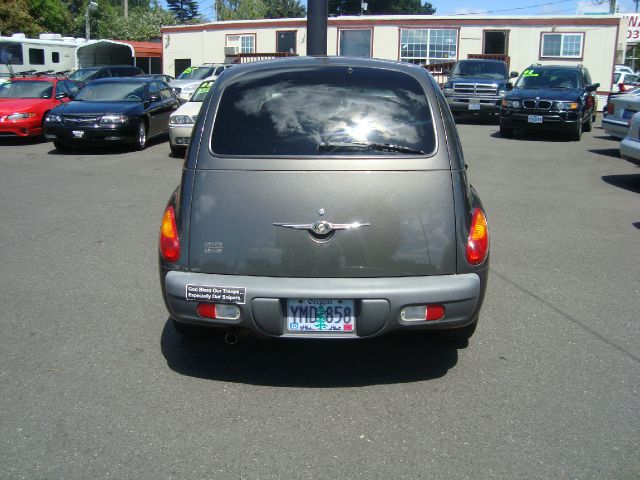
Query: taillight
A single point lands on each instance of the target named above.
(169, 241)
(622, 87)
(609, 108)
(219, 311)
(589, 101)
(478, 242)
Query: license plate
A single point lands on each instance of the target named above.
(320, 315)
(628, 113)
(474, 106)
(535, 119)
(77, 133)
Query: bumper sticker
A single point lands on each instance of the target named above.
(215, 294)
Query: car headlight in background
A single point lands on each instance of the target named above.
(53, 118)
(113, 119)
(510, 103)
(181, 119)
(567, 105)
(447, 90)
(20, 116)
(502, 92)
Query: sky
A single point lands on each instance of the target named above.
(498, 7)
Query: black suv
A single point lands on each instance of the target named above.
(550, 97)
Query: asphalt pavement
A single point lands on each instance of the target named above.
(96, 383)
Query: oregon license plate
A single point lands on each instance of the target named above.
(77, 133)
(535, 119)
(474, 106)
(320, 315)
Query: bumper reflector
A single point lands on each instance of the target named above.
(420, 313)
(219, 311)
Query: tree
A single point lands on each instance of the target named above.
(184, 10)
(284, 9)
(240, 9)
(141, 25)
(381, 7)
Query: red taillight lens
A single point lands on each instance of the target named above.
(478, 242)
(434, 312)
(589, 101)
(622, 87)
(207, 310)
(169, 241)
(609, 108)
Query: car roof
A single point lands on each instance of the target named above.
(124, 80)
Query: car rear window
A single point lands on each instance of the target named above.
(335, 110)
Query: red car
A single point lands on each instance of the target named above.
(25, 101)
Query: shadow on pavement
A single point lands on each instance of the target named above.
(101, 149)
(607, 152)
(307, 363)
(629, 182)
(541, 136)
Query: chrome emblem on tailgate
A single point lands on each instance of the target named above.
(321, 227)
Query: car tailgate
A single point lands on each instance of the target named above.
(409, 215)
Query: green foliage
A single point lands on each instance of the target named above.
(240, 9)
(184, 10)
(141, 25)
(381, 7)
(15, 18)
(284, 9)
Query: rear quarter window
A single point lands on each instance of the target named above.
(306, 112)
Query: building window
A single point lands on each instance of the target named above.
(355, 43)
(428, 46)
(36, 56)
(565, 45)
(55, 57)
(245, 43)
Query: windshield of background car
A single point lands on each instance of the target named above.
(480, 69)
(112, 92)
(201, 92)
(26, 89)
(196, 73)
(333, 110)
(84, 74)
(549, 78)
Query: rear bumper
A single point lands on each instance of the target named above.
(378, 301)
(615, 127)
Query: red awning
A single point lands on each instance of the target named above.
(145, 49)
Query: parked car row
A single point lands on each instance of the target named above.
(106, 105)
(544, 97)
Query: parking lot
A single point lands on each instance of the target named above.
(96, 383)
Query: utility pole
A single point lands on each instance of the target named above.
(613, 7)
(126, 8)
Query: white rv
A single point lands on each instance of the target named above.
(53, 52)
(49, 52)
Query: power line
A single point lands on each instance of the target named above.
(513, 9)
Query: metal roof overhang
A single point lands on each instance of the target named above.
(105, 52)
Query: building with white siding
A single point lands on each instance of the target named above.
(598, 42)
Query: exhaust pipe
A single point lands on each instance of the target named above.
(231, 338)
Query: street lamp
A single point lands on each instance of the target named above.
(91, 6)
